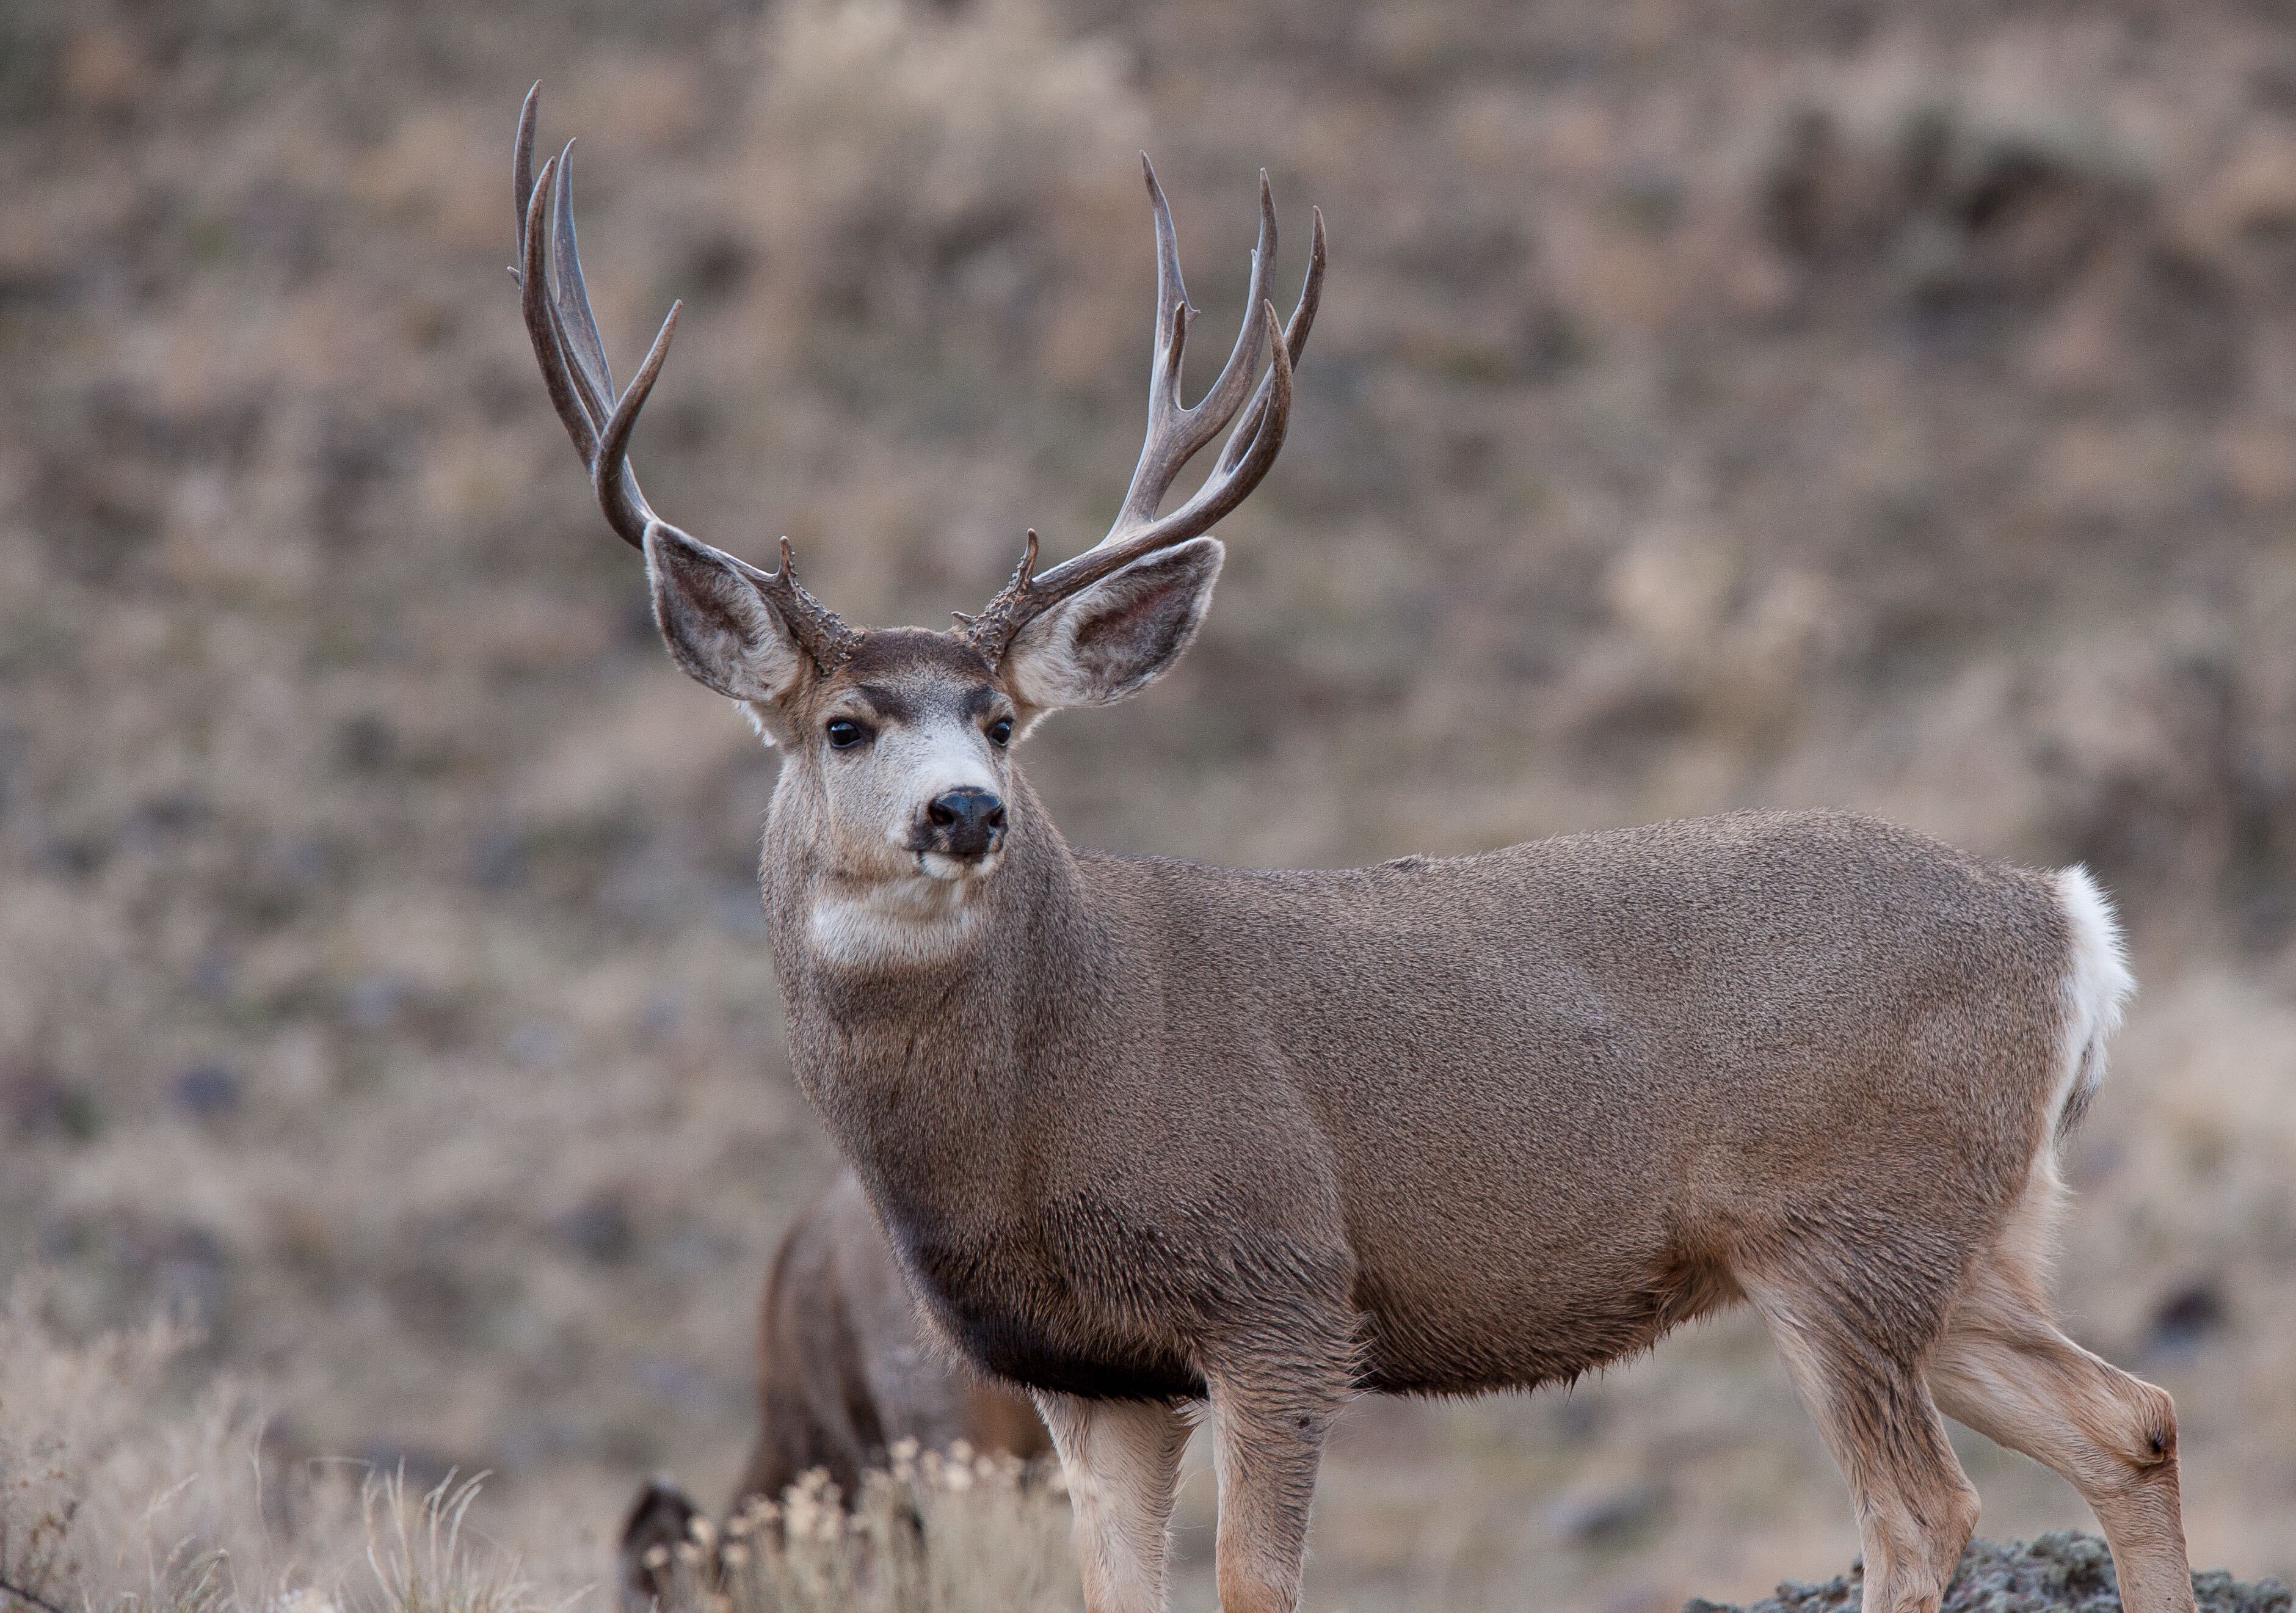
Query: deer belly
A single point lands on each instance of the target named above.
(1508, 1326)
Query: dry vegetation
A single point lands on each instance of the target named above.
(1772, 403)
(120, 1491)
(952, 1532)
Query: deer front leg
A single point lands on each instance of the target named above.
(1270, 1429)
(1121, 1459)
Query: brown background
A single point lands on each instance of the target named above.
(1768, 403)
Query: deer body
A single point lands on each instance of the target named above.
(1469, 1123)
(1146, 1134)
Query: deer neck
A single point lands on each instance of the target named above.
(907, 1000)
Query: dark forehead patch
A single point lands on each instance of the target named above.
(902, 671)
(886, 654)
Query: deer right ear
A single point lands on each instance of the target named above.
(1118, 636)
(718, 624)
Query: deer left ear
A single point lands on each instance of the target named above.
(721, 626)
(1118, 636)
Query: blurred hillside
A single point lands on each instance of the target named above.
(1711, 406)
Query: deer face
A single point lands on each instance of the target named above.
(901, 749)
(909, 740)
(896, 739)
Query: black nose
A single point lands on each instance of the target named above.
(966, 822)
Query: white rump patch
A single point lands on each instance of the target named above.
(2096, 987)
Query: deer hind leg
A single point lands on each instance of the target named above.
(1916, 1509)
(1121, 1459)
(2004, 1369)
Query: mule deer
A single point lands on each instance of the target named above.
(843, 1375)
(1146, 1133)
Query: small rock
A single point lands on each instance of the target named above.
(2187, 1315)
(1604, 1518)
(535, 1043)
(374, 1002)
(206, 1090)
(602, 1228)
(42, 1105)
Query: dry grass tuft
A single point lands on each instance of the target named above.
(939, 1533)
(105, 1503)
(124, 1490)
(422, 1559)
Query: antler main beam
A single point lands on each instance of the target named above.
(567, 345)
(1176, 433)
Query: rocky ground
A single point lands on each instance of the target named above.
(2061, 1572)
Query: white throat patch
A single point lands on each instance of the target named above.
(913, 919)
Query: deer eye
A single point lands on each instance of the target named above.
(844, 733)
(1000, 732)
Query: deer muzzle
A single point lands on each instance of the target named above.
(966, 824)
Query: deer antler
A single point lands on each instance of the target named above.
(573, 358)
(1178, 433)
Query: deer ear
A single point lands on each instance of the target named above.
(719, 626)
(1119, 635)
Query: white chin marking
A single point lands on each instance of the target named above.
(909, 919)
(956, 870)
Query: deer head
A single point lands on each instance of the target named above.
(901, 736)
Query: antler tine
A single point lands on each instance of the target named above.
(1233, 385)
(1025, 597)
(1295, 342)
(1172, 309)
(1250, 449)
(1178, 433)
(542, 326)
(579, 406)
(609, 474)
(573, 390)
(569, 297)
(1221, 494)
(567, 345)
(522, 173)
